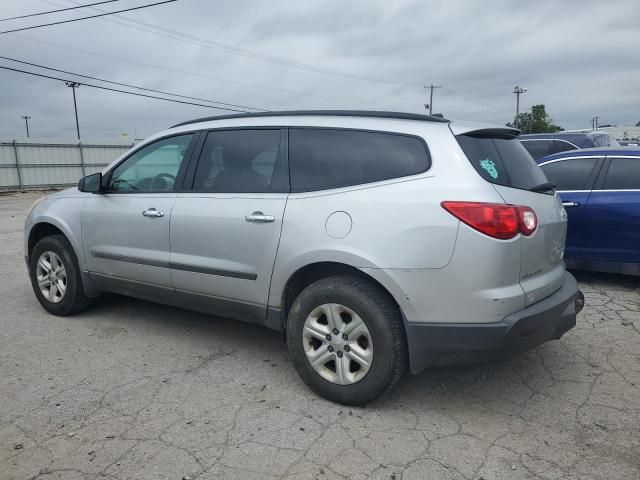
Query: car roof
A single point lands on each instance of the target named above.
(330, 113)
(589, 152)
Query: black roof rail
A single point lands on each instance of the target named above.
(331, 113)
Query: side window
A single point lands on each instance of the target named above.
(538, 148)
(562, 146)
(623, 174)
(237, 161)
(571, 174)
(326, 158)
(153, 168)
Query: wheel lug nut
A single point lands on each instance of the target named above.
(347, 348)
(339, 354)
(331, 348)
(344, 336)
(328, 337)
(335, 331)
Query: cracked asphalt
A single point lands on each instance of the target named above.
(133, 390)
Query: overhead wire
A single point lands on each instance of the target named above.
(101, 87)
(57, 10)
(128, 85)
(86, 18)
(234, 50)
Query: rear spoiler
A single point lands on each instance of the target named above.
(483, 131)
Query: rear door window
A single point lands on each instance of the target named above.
(623, 174)
(238, 161)
(538, 148)
(570, 174)
(562, 146)
(502, 161)
(329, 158)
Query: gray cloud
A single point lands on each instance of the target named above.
(580, 58)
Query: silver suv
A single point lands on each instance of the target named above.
(374, 241)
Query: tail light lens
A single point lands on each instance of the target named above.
(496, 220)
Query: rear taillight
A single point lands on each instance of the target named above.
(496, 220)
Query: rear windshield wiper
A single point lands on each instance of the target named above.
(543, 187)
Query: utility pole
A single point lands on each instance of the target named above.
(594, 123)
(430, 104)
(26, 122)
(73, 86)
(518, 91)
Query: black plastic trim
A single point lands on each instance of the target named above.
(446, 343)
(329, 113)
(176, 266)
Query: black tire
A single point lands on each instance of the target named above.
(74, 299)
(383, 320)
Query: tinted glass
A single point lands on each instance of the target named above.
(502, 161)
(562, 146)
(237, 161)
(538, 148)
(570, 174)
(623, 174)
(153, 168)
(325, 158)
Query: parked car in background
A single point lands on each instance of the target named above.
(374, 241)
(540, 145)
(600, 188)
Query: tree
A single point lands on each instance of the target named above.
(536, 121)
(638, 124)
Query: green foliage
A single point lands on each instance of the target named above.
(536, 121)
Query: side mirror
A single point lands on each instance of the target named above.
(91, 183)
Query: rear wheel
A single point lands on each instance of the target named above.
(55, 276)
(346, 339)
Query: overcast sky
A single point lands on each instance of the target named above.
(579, 58)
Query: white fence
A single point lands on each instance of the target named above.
(34, 165)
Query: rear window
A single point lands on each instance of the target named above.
(502, 161)
(327, 158)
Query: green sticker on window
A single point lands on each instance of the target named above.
(490, 167)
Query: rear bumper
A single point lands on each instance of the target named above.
(433, 344)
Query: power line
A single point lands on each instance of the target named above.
(58, 10)
(181, 72)
(121, 91)
(85, 18)
(129, 85)
(234, 50)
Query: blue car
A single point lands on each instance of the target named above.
(540, 145)
(600, 189)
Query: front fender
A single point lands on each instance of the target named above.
(63, 213)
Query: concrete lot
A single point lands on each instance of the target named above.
(129, 389)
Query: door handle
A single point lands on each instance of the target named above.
(570, 204)
(259, 217)
(153, 213)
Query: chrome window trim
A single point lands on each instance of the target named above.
(549, 140)
(569, 158)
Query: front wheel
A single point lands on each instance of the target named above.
(346, 339)
(55, 276)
